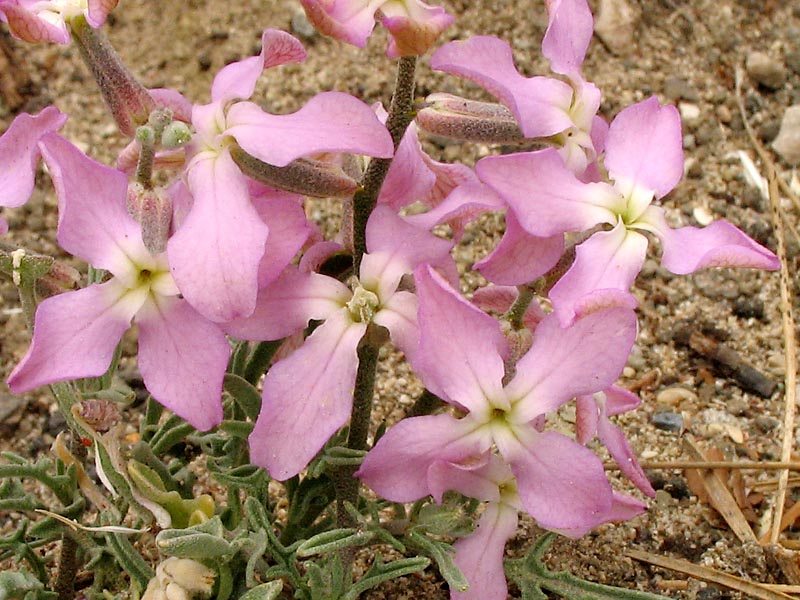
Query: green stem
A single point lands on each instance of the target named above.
(401, 113)
(516, 313)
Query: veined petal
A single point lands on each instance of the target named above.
(645, 146)
(307, 398)
(93, 221)
(329, 122)
(720, 244)
(587, 414)
(215, 254)
(520, 257)
(540, 104)
(608, 260)
(287, 304)
(75, 335)
(619, 400)
(586, 357)
(182, 359)
(463, 204)
(561, 484)
(480, 554)
(27, 26)
(397, 467)
(19, 153)
(238, 79)
(461, 348)
(350, 21)
(568, 34)
(545, 195)
(414, 26)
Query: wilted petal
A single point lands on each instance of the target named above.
(461, 349)
(414, 26)
(622, 453)
(568, 34)
(499, 298)
(286, 305)
(587, 415)
(93, 221)
(27, 26)
(98, 10)
(547, 198)
(720, 244)
(609, 260)
(561, 484)
(397, 467)
(350, 21)
(644, 146)
(540, 104)
(182, 359)
(329, 122)
(238, 79)
(623, 507)
(19, 153)
(307, 398)
(480, 554)
(520, 257)
(619, 400)
(215, 254)
(75, 335)
(586, 357)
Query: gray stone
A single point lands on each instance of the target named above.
(676, 88)
(615, 25)
(787, 144)
(668, 421)
(766, 70)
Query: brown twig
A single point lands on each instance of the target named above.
(713, 464)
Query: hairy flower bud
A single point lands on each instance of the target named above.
(457, 118)
(152, 208)
(127, 99)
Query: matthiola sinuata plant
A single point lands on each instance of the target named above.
(262, 337)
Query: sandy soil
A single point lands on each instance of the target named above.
(684, 52)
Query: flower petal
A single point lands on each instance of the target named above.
(182, 359)
(463, 204)
(461, 348)
(29, 27)
(413, 26)
(75, 335)
(350, 21)
(19, 153)
(568, 34)
(644, 147)
(622, 453)
(547, 198)
(307, 398)
(238, 80)
(586, 357)
(399, 316)
(720, 244)
(215, 254)
(329, 122)
(98, 10)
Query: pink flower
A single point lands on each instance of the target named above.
(48, 20)
(19, 155)
(461, 359)
(216, 252)
(182, 355)
(644, 160)
(413, 25)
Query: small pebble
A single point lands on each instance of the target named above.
(668, 421)
(748, 308)
(676, 89)
(793, 61)
(766, 424)
(615, 25)
(765, 70)
(787, 143)
(690, 113)
(675, 395)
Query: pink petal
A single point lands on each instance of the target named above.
(520, 257)
(19, 153)
(645, 146)
(27, 26)
(175, 101)
(307, 398)
(471, 477)
(397, 468)
(414, 26)
(622, 453)
(93, 221)
(587, 415)
(238, 80)
(98, 10)
(350, 21)
(720, 244)
(75, 335)
(619, 400)
(329, 122)
(480, 554)
(586, 357)
(568, 35)
(545, 195)
(409, 179)
(182, 359)
(623, 507)
(540, 104)
(399, 315)
(561, 484)
(608, 260)
(215, 254)
(286, 305)
(499, 298)
(461, 349)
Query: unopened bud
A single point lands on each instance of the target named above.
(127, 99)
(152, 208)
(302, 176)
(101, 415)
(457, 118)
(145, 135)
(176, 134)
(60, 278)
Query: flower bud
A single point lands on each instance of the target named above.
(60, 278)
(127, 99)
(176, 134)
(457, 118)
(152, 208)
